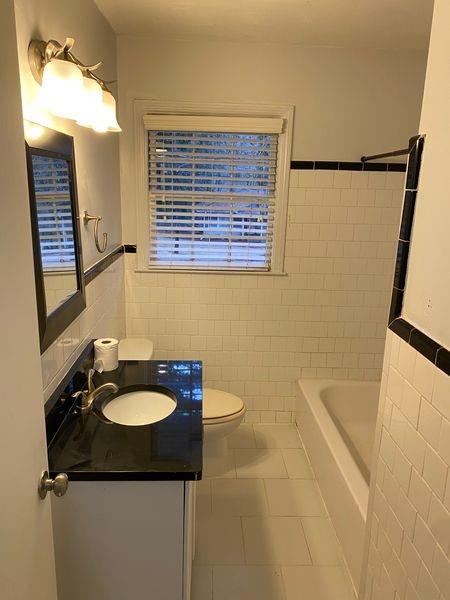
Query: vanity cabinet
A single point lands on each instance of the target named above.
(125, 528)
(119, 540)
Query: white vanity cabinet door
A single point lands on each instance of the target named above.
(116, 540)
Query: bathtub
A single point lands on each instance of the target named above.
(337, 422)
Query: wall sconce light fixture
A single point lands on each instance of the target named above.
(71, 89)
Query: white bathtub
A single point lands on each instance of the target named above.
(337, 421)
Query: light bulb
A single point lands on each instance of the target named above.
(62, 89)
(91, 104)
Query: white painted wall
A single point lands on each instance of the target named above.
(327, 318)
(97, 163)
(348, 102)
(427, 297)
(97, 155)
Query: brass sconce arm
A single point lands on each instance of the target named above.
(40, 53)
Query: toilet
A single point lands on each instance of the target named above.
(135, 349)
(222, 412)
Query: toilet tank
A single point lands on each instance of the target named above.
(135, 349)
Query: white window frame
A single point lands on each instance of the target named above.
(143, 107)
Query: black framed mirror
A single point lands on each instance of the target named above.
(55, 228)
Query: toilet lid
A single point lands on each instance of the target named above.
(217, 404)
(135, 349)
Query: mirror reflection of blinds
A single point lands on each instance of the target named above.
(54, 211)
(211, 199)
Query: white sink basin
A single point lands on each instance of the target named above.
(139, 407)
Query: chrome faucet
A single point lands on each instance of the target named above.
(86, 398)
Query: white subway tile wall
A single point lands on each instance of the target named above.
(57, 287)
(104, 316)
(409, 547)
(257, 334)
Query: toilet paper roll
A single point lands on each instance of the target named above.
(106, 350)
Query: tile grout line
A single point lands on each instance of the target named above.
(342, 562)
(243, 540)
(210, 496)
(306, 541)
(212, 582)
(279, 566)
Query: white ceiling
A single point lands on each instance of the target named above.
(347, 23)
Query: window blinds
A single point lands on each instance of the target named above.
(54, 212)
(211, 198)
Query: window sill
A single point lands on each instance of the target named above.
(214, 272)
(58, 270)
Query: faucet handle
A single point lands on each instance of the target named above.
(91, 386)
(81, 398)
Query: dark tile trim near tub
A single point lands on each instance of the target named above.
(402, 328)
(443, 360)
(102, 264)
(401, 264)
(346, 166)
(426, 346)
(130, 248)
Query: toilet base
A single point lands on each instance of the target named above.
(215, 457)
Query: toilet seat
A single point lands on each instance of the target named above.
(220, 406)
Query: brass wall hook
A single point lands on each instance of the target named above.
(87, 217)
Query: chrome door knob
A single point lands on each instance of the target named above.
(58, 485)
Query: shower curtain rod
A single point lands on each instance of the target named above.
(385, 154)
(412, 142)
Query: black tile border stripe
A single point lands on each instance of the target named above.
(402, 328)
(424, 344)
(409, 203)
(86, 354)
(427, 347)
(401, 265)
(443, 360)
(93, 272)
(346, 166)
(302, 164)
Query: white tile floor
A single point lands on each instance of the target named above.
(262, 529)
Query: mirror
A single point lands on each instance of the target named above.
(55, 230)
(55, 227)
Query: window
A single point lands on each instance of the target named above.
(213, 191)
(54, 212)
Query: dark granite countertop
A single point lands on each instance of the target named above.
(88, 448)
